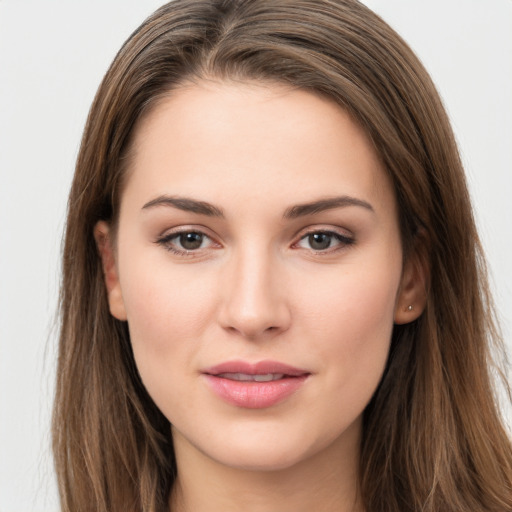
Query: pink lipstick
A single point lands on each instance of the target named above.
(254, 386)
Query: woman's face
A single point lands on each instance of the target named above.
(258, 263)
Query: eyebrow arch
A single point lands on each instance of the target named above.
(301, 210)
(185, 204)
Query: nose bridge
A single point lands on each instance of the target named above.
(254, 302)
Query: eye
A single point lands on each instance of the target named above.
(323, 241)
(185, 242)
(191, 241)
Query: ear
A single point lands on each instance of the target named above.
(412, 294)
(110, 274)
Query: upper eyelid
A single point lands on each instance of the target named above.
(176, 234)
(340, 237)
(169, 233)
(345, 237)
(166, 239)
(335, 230)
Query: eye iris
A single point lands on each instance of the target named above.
(319, 241)
(191, 241)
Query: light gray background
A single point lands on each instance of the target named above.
(53, 55)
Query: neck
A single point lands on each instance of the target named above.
(326, 481)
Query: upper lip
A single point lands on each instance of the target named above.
(258, 368)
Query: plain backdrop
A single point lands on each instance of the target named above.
(53, 55)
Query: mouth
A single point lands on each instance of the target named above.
(254, 386)
(245, 377)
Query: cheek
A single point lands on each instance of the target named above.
(350, 322)
(356, 299)
(167, 311)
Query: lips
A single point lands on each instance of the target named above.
(245, 377)
(254, 386)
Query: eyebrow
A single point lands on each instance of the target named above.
(185, 204)
(293, 212)
(301, 210)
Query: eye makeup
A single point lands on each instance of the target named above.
(190, 242)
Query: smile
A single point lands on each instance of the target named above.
(254, 386)
(251, 378)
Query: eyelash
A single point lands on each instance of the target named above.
(166, 241)
(344, 241)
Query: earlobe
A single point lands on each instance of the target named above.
(110, 273)
(412, 294)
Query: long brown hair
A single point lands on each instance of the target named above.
(433, 439)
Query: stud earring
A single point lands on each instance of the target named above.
(410, 307)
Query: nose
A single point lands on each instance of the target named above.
(254, 301)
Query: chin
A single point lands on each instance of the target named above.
(273, 449)
(260, 460)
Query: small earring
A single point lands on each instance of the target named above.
(410, 307)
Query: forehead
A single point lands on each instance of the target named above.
(222, 141)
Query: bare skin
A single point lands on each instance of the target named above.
(267, 491)
(257, 224)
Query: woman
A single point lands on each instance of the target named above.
(273, 295)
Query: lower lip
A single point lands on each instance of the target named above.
(254, 395)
